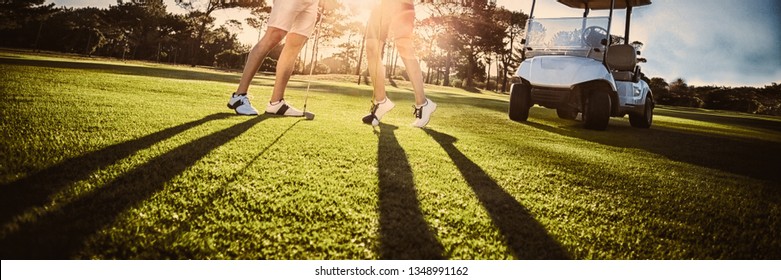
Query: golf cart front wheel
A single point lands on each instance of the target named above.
(520, 102)
(643, 120)
(596, 113)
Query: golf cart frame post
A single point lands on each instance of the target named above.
(567, 65)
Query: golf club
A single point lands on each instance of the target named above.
(371, 119)
(310, 115)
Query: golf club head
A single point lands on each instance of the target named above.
(309, 116)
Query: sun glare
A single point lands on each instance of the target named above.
(359, 9)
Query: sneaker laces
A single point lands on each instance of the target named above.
(374, 108)
(244, 96)
(418, 113)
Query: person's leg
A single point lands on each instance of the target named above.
(401, 27)
(287, 59)
(303, 26)
(406, 49)
(258, 53)
(376, 68)
(279, 23)
(376, 33)
(239, 100)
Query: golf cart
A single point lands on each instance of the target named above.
(574, 66)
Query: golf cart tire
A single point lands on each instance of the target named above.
(567, 113)
(520, 102)
(645, 119)
(596, 111)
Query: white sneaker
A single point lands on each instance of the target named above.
(382, 108)
(423, 113)
(240, 103)
(377, 111)
(282, 109)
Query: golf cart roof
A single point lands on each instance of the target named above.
(604, 4)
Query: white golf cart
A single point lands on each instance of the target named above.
(574, 66)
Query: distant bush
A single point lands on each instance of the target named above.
(765, 100)
(229, 59)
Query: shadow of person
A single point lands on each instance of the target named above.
(526, 237)
(36, 188)
(60, 233)
(404, 233)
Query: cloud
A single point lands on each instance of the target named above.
(716, 42)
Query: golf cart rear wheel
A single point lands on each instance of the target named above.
(520, 102)
(643, 120)
(596, 111)
(567, 113)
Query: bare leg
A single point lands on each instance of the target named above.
(376, 68)
(287, 59)
(406, 50)
(258, 53)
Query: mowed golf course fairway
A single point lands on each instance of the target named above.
(103, 159)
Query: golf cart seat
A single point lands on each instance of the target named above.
(622, 60)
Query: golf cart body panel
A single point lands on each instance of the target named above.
(562, 71)
(633, 98)
(604, 4)
(575, 66)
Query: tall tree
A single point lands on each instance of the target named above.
(200, 11)
(332, 24)
(470, 33)
(15, 13)
(259, 18)
(515, 23)
(22, 21)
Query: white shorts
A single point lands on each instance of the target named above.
(294, 16)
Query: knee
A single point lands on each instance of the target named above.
(373, 48)
(295, 41)
(274, 35)
(406, 49)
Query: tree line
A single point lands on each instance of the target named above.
(141, 30)
(459, 42)
(755, 100)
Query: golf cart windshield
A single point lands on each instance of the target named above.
(567, 36)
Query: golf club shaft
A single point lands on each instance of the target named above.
(314, 61)
(378, 64)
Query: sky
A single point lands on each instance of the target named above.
(705, 42)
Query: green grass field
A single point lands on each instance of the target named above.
(103, 159)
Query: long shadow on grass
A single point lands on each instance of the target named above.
(205, 205)
(694, 114)
(753, 158)
(35, 189)
(60, 233)
(524, 235)
(404, 234)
